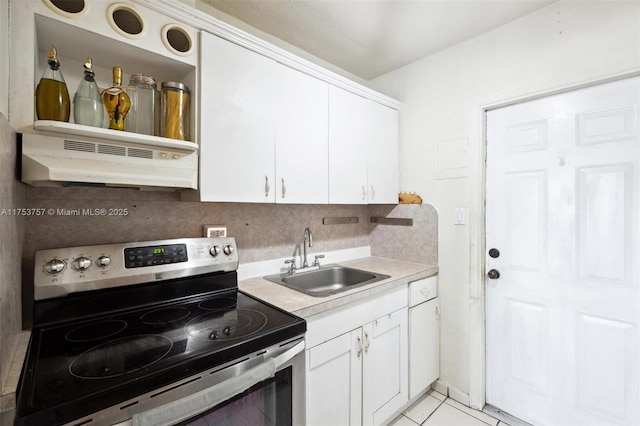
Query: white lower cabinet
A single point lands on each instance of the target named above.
(360, 376)
(424, 335)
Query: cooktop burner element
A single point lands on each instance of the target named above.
(120, 357)
(97, 343)
(95, 331)
(217, 304)
(164, 316)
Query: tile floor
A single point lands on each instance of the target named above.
(435, 409)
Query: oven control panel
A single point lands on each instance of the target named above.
(71, 269)
(140, 257)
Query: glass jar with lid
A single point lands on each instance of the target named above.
(142, 117)
(174, 122)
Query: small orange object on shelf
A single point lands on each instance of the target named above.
(404, 198)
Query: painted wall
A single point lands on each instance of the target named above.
(569, 43)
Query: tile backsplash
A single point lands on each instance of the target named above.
(262, 231)
(12, 226)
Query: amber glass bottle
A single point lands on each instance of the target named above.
(52, 96)
(116, 101)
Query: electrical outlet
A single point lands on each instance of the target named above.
(214, 231)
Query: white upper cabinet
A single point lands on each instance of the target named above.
(270, 133)
(301, 138)
(237, 123)
(382, 147)
(347, 149)
(263, 128)
(363, 150)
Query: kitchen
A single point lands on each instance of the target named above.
(564, 45)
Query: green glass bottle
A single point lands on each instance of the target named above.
(52, 96)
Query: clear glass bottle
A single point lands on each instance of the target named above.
(142, 116)
(175, 111)
(116, 101)
(88, 108)
(52, 96)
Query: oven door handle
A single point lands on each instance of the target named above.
(192, 405)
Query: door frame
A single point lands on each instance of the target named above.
(477, 210)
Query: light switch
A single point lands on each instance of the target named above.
(458, 216)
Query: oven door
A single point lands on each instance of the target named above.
(269, 393)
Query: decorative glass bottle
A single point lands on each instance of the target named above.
(88, 108)
(52, 96)
(116, 101)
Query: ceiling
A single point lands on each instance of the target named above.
(369, 38)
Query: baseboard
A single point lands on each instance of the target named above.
(452, 392)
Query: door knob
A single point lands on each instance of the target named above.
(493, 274)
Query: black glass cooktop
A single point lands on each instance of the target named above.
(81, 366)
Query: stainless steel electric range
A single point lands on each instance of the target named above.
(156, 332)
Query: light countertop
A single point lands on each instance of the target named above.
(401, 273)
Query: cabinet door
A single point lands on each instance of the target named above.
(302, 138)
(334, 377)
(237, 123)
(382, 148)
(424, 346)
(385, 367)
(347, 151)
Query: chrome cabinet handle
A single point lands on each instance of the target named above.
(366, 337)
(437, 312)
(267, 188)
(284, 188)
(359, 347)
(373, 193)
(364, 193)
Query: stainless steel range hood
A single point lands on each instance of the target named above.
(70, 160)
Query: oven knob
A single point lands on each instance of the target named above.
(54, 266)
(103, 261)
(81, 264)
(214, 251)
(228, 249)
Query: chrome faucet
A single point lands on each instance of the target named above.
(307, 234)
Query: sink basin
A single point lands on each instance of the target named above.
(327, 280)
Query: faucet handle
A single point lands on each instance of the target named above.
(292, 268)
(316, 262)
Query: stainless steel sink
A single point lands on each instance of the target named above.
(327, 280)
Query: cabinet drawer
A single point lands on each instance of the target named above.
(423, 290)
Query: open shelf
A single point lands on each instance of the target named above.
(113, 135)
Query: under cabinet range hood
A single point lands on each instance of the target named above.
(73, 160)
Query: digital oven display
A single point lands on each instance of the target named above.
(140, 257)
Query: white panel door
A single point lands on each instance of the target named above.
(424, 346)
(334, 381)
(382, 148)
(385, 367)
(237, 123)
(347, 148)
(562, 318)
(302, 140)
